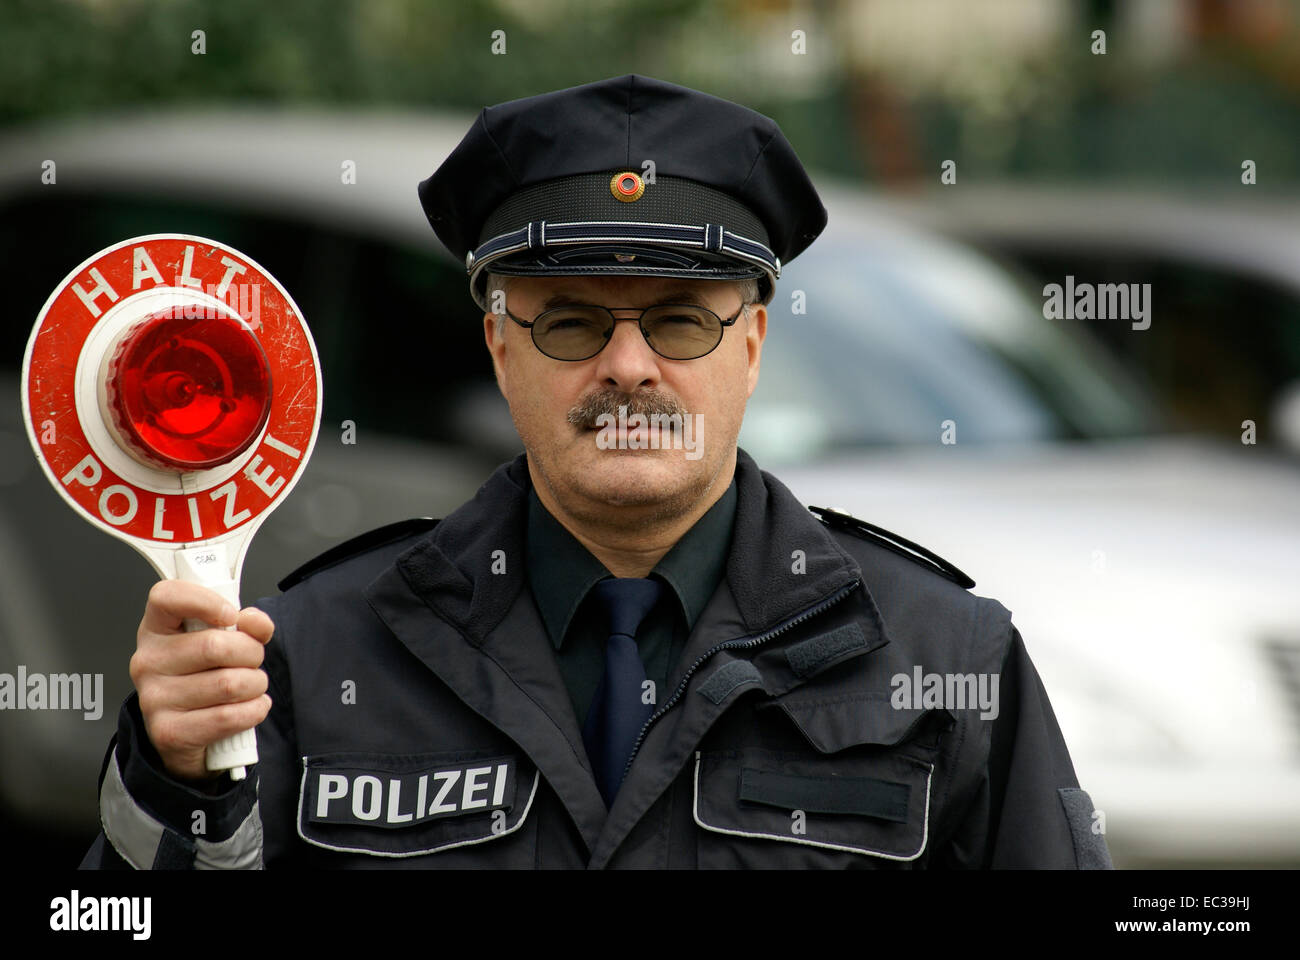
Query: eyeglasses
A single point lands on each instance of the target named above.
(675, 331)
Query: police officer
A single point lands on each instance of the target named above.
(632, 648)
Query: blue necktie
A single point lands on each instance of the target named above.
(617, 713)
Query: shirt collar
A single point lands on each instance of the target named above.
(561, 570)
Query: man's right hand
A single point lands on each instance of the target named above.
(200, 687)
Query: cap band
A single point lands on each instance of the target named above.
(577, 225)
(670, 212)
(538, 233)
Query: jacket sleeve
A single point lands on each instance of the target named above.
(150, 820)
(1029, 811)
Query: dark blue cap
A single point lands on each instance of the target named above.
(629, 175)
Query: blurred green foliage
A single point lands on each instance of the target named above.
(59, 56)
(1052, 112)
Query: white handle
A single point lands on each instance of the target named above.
(207, 565)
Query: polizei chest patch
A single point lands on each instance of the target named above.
(376, 793)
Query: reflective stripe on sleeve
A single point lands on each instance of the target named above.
(138, 836)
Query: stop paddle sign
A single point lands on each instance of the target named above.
(172, 394)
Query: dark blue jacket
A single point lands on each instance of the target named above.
(420, 719)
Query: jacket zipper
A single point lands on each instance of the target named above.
(739, 643)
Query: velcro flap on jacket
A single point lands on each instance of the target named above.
(867, 796)
(813, 655)
(728, 678)
(861, 802)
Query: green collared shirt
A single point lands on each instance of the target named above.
(561, 573)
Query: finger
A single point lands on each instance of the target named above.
(180, 731)
(198, 691)
(173, 601)
(189, 653)
(228, 719)
(256, 624)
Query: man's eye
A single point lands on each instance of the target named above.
(575, 321)
(683, 319)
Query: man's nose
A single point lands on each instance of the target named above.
(627, 360)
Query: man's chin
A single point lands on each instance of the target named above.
(634, 477)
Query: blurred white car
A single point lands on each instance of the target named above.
(1224, 343)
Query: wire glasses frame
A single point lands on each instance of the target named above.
(596, 328)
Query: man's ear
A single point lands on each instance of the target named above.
(496, 344)
(755, 334)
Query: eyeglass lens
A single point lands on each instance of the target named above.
(678, 332)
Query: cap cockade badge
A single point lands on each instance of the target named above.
(627, 186)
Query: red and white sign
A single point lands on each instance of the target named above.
(172, 394)
(71, 404)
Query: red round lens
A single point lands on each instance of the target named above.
(188, 394)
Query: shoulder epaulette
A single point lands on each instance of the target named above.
(359, 544)
(892, 541)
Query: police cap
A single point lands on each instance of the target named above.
(629, 175)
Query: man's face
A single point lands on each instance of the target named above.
(574, 461)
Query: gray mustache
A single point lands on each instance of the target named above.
(586, 411)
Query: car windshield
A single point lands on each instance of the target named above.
(899, 333)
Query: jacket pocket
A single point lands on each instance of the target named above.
(860, 795)
(408, 805)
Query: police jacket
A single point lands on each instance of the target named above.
(420, 719)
